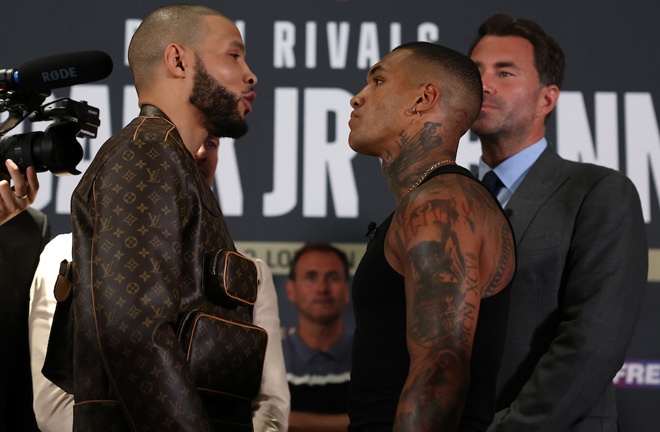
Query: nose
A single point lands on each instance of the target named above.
(487, 83)
(357, 100)
(201, 153)
(323, 286)
(250, 77)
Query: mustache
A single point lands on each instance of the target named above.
(492, 101)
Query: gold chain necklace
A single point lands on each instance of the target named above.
(427, 172)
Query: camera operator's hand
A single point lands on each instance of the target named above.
(15, 200)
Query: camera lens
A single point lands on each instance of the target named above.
(55, 150)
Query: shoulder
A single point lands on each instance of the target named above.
(147, 136)
(575, 179)
(448, 198)
(449, 211)
(148, 149)
(598, 179)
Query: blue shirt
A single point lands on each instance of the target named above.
(513, 170)
(318, 380)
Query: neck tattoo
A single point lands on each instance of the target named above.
(427, 172)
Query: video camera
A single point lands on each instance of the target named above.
(22, 93)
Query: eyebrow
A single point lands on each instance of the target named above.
(376, 68)
(505, 64)
(238, 44)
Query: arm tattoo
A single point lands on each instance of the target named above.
(484, 206)
(443, 277)
(442, 320)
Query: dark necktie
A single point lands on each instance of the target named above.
(492, 182)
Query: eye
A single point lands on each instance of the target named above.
(504, 74)
(377, 81)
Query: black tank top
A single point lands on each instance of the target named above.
(380, 356)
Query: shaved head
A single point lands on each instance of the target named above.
(458, 77)
(181, 24)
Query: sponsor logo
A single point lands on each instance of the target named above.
(638, 373)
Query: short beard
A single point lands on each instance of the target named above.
(218, 105)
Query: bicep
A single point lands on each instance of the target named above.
(442, 299)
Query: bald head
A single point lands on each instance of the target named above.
(456, 74)
(180, 24)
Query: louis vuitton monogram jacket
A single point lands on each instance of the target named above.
(142, 220)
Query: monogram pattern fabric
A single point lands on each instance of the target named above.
(231, 278)
(216, 350)
(143, 219)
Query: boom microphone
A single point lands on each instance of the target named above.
(56, 71)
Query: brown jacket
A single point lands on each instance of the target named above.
(142, 220)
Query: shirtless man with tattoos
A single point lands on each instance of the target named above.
(440, 263)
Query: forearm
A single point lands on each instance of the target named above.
(433, 396)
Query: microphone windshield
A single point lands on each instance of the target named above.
(63, 70)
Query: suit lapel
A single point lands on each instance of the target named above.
(542, 180)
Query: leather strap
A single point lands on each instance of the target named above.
(63, 284)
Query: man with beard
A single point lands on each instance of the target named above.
(317, 353)
(53, 407)
(143, 218)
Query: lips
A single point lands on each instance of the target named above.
(352, 118)
(489, 104)
(323, 301)
(249, 99)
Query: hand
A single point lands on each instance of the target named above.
(21, 196)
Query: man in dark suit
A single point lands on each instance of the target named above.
(581, 242)
(21, 241)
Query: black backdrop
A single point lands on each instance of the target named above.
(293, 179)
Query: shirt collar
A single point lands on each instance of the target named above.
(336, 352)
(512, 168)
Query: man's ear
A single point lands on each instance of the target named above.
(176, 60)
(548, 100)
(429, 97)
(290, 291)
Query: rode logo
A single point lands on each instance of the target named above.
(59, 74)
(638, 373)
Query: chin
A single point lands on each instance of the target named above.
(479, 129)
(354, 143)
